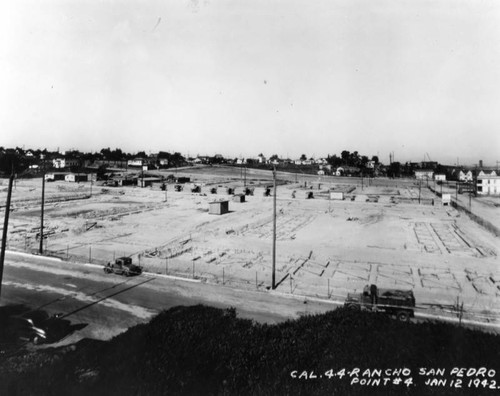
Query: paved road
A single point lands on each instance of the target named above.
(102, 306)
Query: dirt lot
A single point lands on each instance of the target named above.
(379, 233)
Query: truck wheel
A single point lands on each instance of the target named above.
(403, 316)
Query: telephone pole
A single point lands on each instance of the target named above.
(274, 230)
(40, 250)
(5, 226)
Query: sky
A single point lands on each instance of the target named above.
(420, 79)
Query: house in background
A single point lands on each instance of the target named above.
(60, 163)
(54, 176)
(488, 184)
(76, 177)
(424, 174)
(136, 162)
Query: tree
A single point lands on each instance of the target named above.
(345, 155)
(354, 159)
(375, 159)
(394, 169)
(303, 157)
(101, 172)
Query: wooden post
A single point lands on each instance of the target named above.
(223, 275)
(5, 226)
(90, 254)
(274, 231)
(41, 216)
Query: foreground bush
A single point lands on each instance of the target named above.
(207, 351)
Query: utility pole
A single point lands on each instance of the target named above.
(5, 226)
(40, 250)
(274, 230)
(419, 188)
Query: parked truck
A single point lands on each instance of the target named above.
(400, 303)
(123, 266)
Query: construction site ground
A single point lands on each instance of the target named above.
(392, 233)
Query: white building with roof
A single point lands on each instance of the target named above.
(488, 184)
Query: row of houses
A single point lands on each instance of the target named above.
(486, 182)
(339, 171)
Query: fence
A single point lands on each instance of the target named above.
(479, 220)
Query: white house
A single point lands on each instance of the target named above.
(76, 177)
(136, 162)
(469, 176)
(59, 163)
(488, 184)
(424, 174)
(440, 177)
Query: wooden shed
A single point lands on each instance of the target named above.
(76, 177)
(337, 195)
(239, 198)
(218, 207)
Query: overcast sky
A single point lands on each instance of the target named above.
(248, 77)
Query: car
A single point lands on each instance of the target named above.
(399, 303)
(38, 327)
(25, 329)
(123, 266)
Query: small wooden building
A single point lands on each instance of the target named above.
(446, 199)
(148, 181)
(337, 195)
(218, 207)
(55, 176)
(76, 177)
(239, 198)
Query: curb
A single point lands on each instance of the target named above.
(33, 255)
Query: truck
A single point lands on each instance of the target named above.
(400, 303)
(123, 266)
